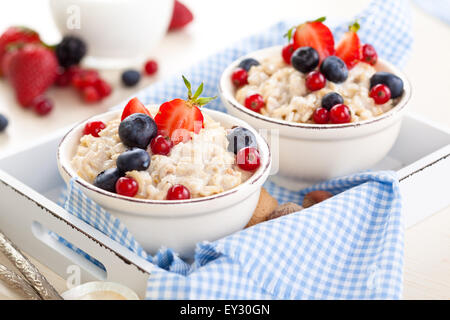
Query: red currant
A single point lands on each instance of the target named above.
(178, 192)
(63, 79)
(248, 159)
(315, 81)
(340, 113)
(103, 88)
(127, 187)
(151, 67)
(42, 106)
(85, 78)
(255, 102)
(369, 55)
(161, 145)
(90, 94)
(287, 52)
(321, 116)
(380, 93)
(239, 77)
(94, 128)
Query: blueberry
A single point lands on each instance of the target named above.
(246, 64)
(137, 130)
(394, 83)
(135, 159)
(107, 179)
(131, 78)
(331, 99)
(305, 59)
(240, 138)
(3, 123)
(334, 69)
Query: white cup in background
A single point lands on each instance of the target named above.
(118, 33)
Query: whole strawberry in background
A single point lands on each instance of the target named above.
(181, 16)
(31, 70)
(16, 35)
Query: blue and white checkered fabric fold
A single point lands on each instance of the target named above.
(438, 8)
(348, 247)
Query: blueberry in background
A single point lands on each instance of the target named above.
(131, 77)
(331, 99)
(394, 83)
(334, 69)
(107, 179)
(135, 159)
(3, 123)
(240, 138)
(137, 130)
(246, 64)
(305, 59)
(70, 51)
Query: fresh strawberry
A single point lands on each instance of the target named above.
(181, 16)
(132, 107)
(349, 48)
(32, 69)
(314, 34)
(5, 61)
(178, 118)
(16, 35)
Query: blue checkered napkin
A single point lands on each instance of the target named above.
(438, 8)
(349, 247)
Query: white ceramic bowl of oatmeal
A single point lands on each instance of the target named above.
(177, 224)
(306, 153)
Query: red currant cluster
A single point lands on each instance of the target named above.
(86, 81)
(339, 113)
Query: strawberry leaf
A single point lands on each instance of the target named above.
(321, 19)
(289, 33)
(203, 101)
(354, 27)
(188, 86)
(198, 92)
(194, 99)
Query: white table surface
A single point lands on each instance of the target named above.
(217, 24)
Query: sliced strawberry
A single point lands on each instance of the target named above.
(181, 16)
(132, 107)
(316, 35)
(349, 48)
(178, 118)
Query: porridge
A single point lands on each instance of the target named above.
(311, 81)
(201, 162)
(287, 98)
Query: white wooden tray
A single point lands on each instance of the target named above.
(30, 186)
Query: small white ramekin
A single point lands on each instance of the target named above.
(176, 224)
(306, 153)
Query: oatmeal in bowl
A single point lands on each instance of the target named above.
(337, 106)
(174, 174)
